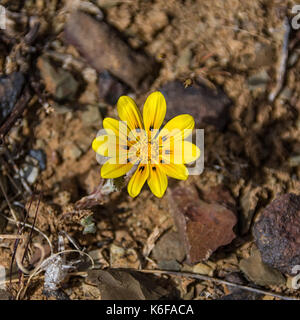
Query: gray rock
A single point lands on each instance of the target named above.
(169, 265)
(260, 273)
(40, 156)
(10, 89)
(169, 248)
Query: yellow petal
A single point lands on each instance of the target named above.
(177, 171)
(137, 180)
(157, 181)
(180, 152)
(179, 127)
(115, 127)
(154, 111)
(110, 146)
(100, 146)
(111, 170)
(190, 152)
(129, 112)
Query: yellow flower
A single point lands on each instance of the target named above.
(156, 153)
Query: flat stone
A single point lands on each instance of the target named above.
(169, 247)
(103, 48)
(203, 226)
(206, 105)
(169, 265)
(277, 233)
(260, 273)
(59, 82)
(204, 269)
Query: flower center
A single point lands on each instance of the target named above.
(147, 151)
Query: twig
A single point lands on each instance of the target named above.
(31, 231)
(283, 62)
(5, 282)
(19, 260)
(30, 226)
(150, 243)
(207, 278)
(20, 231)
(72, 241)
(11, 236)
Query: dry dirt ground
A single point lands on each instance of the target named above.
(234, 44)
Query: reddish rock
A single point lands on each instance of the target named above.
(277, 233)
(220, 195)
(203, 226)
(103, 48)
(206, 105)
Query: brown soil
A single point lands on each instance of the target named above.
(251, 156)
